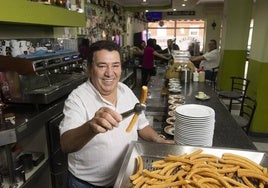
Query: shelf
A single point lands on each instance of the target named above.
(28, 12)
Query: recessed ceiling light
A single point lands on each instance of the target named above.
(144, 1)
(183, 5)
(174, 9)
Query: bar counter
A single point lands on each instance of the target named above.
(227, 132)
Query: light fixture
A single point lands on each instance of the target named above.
(183, 5)
(161, 23)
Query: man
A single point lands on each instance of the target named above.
(170, 47)
(148, 62)
(209, 60)
(93, 131)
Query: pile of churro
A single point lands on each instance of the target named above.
(202, 170)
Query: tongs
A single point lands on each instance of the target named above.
(139, 106)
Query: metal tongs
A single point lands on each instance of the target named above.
(139, 107)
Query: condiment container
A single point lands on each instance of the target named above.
(201, 77)
(195, 76)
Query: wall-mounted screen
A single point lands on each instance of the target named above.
(153, 16)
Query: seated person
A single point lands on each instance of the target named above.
(170, 47)
(209, 60)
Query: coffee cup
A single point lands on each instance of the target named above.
(201, 95)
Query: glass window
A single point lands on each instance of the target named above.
(186, 32)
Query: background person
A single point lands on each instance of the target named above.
(93, 132)
(209, 60)
(84, 49)
(139, 51)
(148, 63)
(170, 47)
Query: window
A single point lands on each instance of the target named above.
(186, 32)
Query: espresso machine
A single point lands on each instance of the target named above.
(40, 79)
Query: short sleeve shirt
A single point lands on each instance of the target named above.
(148, 58)
(98, 162)
(212, 60)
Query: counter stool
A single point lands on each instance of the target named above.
(246, 114)
(238, 91)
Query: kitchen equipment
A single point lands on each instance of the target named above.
(26, 160)
(154, 151)
(58, 159)
(19, 172)
(138, 108)
(43, 77)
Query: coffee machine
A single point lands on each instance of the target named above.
(40, 79)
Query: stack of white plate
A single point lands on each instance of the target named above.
(174, 85)
(194, 125)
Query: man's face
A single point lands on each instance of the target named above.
(211, 45)
(105, 71)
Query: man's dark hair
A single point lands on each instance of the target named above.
(150, 42)
(102, 45)
(214, 41)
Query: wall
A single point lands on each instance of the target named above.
(258, 68)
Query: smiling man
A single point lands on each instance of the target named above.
(93, 132)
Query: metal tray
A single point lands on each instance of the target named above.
(154, 151)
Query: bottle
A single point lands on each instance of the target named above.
(201, 77)
(195, 76)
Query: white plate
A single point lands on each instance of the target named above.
(176, 101)
(173, 90)
(169, 130)
(195, 110)
(203, 99)
(171, 120)
(174, 106)
(175, 97)
(171, 113)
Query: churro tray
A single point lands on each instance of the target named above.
(153, 151)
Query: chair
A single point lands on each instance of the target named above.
(246, 114)
(238, 91)
(213, 77)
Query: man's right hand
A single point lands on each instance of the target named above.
(105, 119)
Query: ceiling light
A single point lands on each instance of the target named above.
(174, 9)
(144, 1)
(183, 5)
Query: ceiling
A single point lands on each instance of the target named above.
(164, 4)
